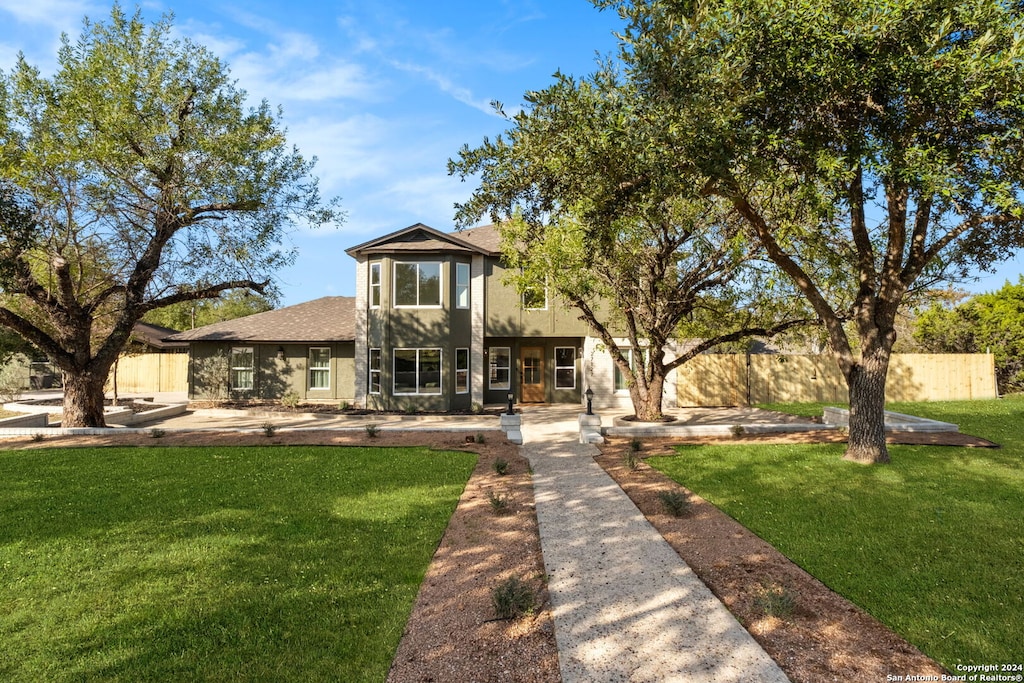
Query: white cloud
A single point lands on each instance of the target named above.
(59, 15)
(457, 92)
(346, 149)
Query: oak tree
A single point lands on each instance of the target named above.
(136, 177)
(894, 126)
(649, 263)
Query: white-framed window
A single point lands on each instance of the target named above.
(375, 280)
(461, 285)
(565, 367)
(374, 365)
(417, 285)
(242, 362)
(500, 365)
(637, 359)
(461, 371)
(319, 367)
(535, 298)
(417, 371)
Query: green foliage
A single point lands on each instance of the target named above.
(675, 502)
(589, 208)
(774, 600)
(269, 429)
(290, 400)
(871, 147)
(289, 564)
(499, 502)
(501, 466)
(513, 598)
(372, 431)
(136, 177)
(930, 545)
(986, 323)
(188, 315)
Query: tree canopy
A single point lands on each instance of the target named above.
(138, 177)
(188, 315)
(985, 323)
(648, 262)
(872, 148)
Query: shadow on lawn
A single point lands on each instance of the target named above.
(220, 564)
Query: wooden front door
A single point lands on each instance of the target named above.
(531, 384)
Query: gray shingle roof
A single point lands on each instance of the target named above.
(423, 238)
(155, 336)
(332, 318)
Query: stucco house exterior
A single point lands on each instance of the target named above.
(306, 350)
(433, 326)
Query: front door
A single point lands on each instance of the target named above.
(532, 379)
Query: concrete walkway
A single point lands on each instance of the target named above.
(626, 607)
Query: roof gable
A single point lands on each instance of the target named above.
(420, 238)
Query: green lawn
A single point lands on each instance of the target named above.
(215, 564)
(931, 544)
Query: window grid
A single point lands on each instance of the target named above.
(500, 363)
(462, 285)
(461, 371)
(375, 284)
(417, 285)
(319, 367)
(242, 363)
(565, 367)
(374, 372)
(417, 372)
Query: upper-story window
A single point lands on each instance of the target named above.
(535, 298)
(461, 285)
(417, 284)
(375, 280)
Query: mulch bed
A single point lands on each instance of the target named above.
(825, 637)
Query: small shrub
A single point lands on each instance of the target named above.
(501, 466)
(476, 408)
(38, 437)
(157, 433)
(268, 429)
(410, 409)
(636, 445)
(290, 400)
(499, 502)
(480, 438)
(344, 405)
(775, 601)
(675, 502)
(630, 459)
(737, 430)
(512, 598)
(372, 431)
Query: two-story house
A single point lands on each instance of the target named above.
(433, 326)
(436, 326)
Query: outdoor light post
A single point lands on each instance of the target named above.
(511, 400)
(589, 393)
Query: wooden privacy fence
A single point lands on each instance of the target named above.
(738, 379)
(146, 372)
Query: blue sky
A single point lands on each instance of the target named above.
(383, 93)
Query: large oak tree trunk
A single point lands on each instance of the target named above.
(867, 409)
(83, 399)
(647, 404)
